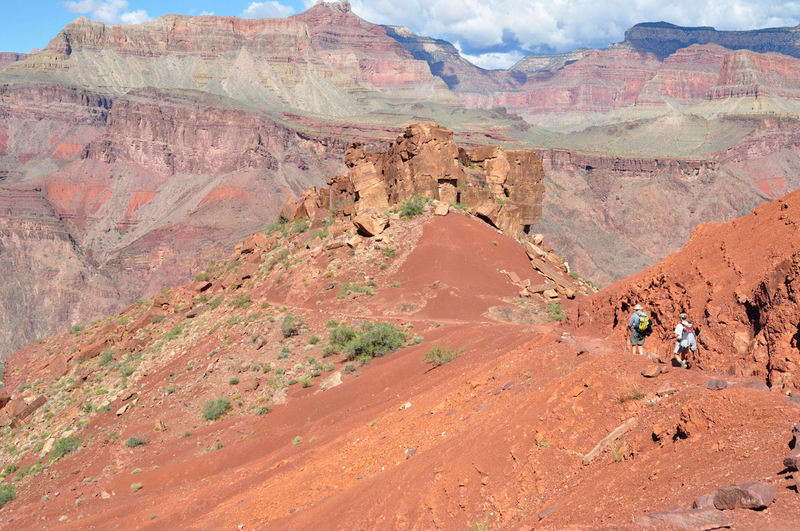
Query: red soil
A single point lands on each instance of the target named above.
(494, 437)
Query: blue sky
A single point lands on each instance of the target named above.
(491, 33)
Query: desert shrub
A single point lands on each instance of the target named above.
(216, 302)
(135, 441)
(313, 339)
(214, 409)
(301, 225)
(7, 493)
(65, 445)
(240, 301)
(263, 410)
(376, 339)
(352, 287)
(306, 381)
(276, 226)
(75, 330)
(439, 356)
(233, 381)
(205, 276)
(556, 312)
(340, 335)
(290, 325)
(174, 333)
(411, 207)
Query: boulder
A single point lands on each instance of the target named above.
(441, 209)
(371, 223)
(716, 385)
(753, 495)
(706, 501)
(695, 519)
(758, 385)
(651, 371)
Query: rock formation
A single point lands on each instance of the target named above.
(503, 187)
(738, 281)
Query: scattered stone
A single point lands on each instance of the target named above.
(758, 385)
(651, 371)
(405, 406)
(716, 385)
(331, 381)
(550, 294)
(371, 223)
(547, 512)
(123, 409)
(696, 519)
(692, 422)
(608, 439)
(48, 445)
(441, 209)
(753, 495)
(665, 391)
(63, 518)
(354, 241)
(160, 426)
(706, 501)
(538, 239)
(104, 495)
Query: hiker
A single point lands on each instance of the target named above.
(640, 329)
(685, 340)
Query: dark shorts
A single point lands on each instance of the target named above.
(637, 338)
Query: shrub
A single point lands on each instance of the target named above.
(290, 325)
(241, 301)
(276, 226)
(331, 323)
(126, 369)
(349, 367)
(136, 487)
(134, 441)
(340, 335)
(297, 440)
(352, 287)
(263, 410)
(174, 333)
(7, 493)
(105, 357)
(439, 356)
(306, 381)
(75, 330)
(216, 302)
(301, 225)
(284, 353)
(205, 276)
(411, 207)
(233, 381)
(214, 409)
(65, 445)
(313, 340)
(377, 339)
(556, 312)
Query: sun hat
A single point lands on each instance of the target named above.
(683, 316)
(637, 307)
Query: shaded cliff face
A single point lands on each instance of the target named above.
(136, 191)
(663, 39)
(738, 281)
(6, 58)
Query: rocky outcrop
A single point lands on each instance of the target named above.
(6, 58)
(503, 187)
(663, 39)
(738, 282)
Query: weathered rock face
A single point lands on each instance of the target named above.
(503, 187)
(738, 281)
(6, 58)
(137, 191)
(663, 39)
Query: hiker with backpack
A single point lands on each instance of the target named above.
(640, 328)
(685, 340)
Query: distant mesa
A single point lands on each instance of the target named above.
(664, 39)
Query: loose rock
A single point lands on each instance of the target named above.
(696, 519)
(752, 495)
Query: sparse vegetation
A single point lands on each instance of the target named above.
(136, 487)
(214, 409)
(135, 441)
(7, 493)
(411, 207)
(290, 325)
(297, 440)
(66, 445)
(279, 225)
(556, 312)
(240, 301)
(352, 287)
(233, 381)
(439, 355)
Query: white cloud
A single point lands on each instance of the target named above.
(108, 11)
(489, 30)
(268, 9)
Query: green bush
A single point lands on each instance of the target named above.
(214, 409)
(439, 356)
(233, 381)
(134, 441)
(556, 312)
(174, 333)
(290, 325)
(65, 445)
(352, 287)
(411, 207)
(105, 357)
(241, 301)
(279, 225)
(301, 225)
(340, 335)
(376, 339)
(7, 493)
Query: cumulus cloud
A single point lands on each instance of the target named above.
(269, 9)
(108, 11)
(500, 30)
